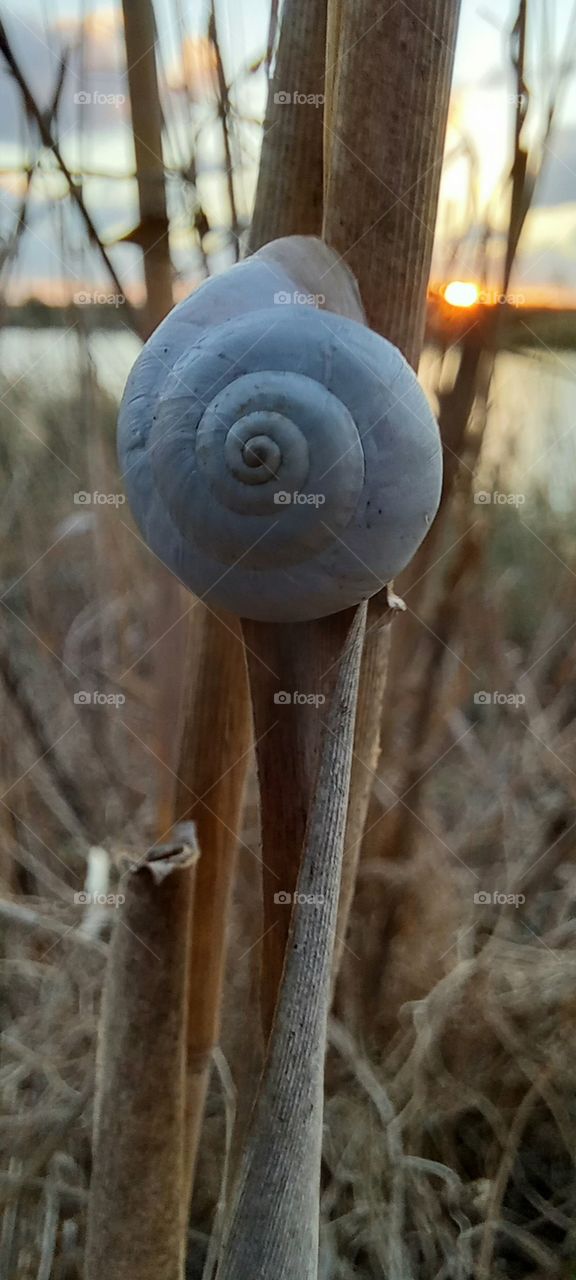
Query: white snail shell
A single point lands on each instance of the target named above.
(281, 459)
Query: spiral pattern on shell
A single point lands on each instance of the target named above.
(284, 463)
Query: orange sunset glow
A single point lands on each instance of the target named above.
(462, 293)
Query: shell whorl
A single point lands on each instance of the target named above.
(273, 446)
(286, 464)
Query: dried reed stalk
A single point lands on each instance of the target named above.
(382, 178)
(138, 1200)
(384, 164)
(152, 231)
(289, 190)
(224, 112)
(213, 759)
(289, 202)
(213, 762)
(288, 736)
(290, 657)
(273, 1225)
(373, 676)
(137, 1211)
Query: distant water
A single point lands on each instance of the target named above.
(531, 430)
(53, 357)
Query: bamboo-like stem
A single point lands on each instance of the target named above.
(284, 660)
(373, 676)
(138, 1197)
(289, 202)
(152, 236)
(209, 767)
(478, 349)
(382, 179)
(152, 232)
(211, 774)
(224, 112)
(284, 198)
(273, 1227)
(137, 1213)
(215, 762)
(289, 191)
(384, 164)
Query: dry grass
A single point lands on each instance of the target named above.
(448, 1148)
(450, 1084)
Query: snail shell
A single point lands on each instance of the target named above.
(281, 459)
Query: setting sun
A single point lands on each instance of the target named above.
(462, 293)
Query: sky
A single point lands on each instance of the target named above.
(54, 260)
